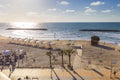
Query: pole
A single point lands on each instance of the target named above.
(111, 71)
(54, 36)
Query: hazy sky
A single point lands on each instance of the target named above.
(59, 10)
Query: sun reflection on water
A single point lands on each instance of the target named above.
(23, 25)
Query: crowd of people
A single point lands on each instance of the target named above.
(9, 58)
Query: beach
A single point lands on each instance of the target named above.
(98, 55)
(92, 57)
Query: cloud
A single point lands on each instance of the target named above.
(32, 14)
(97, 3)
(69, 11)
(87, 7)
(53, 9)
(89, 11)
(65, 3)
(118, 5)
(106, 11)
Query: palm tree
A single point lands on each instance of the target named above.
(69, 52)
(49, 53)
(62, 52)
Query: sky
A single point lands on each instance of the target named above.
(59, 10)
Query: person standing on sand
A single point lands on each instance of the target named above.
(3, 63)
(12, 63)
(10, 68)
(114, 73)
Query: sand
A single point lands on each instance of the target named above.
(37, 58)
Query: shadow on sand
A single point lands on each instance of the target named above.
(74, 78)
(52, 70)
(99, 73)
(107, 68)
(105, 47)
(78, 75)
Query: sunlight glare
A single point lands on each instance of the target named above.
(23, 24)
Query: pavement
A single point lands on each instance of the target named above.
(61, 74)
(79, 73)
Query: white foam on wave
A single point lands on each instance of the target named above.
(20, 33)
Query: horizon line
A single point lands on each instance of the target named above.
(64, 22)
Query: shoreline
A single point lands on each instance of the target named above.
(52, 38)
(38, 38)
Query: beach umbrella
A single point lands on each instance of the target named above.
(20, 51)
(43, 44)
(16, 40)
(26, 41)
(3, 77)
(37, 43)
(21, 41)
(10, 39)
(32, 42)
(7, 52)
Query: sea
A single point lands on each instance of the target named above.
(63, 31)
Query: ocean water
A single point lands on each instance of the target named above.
(65, 31)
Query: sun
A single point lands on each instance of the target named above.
(23, 24)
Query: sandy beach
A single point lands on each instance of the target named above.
(92, 57)
(36, 57)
